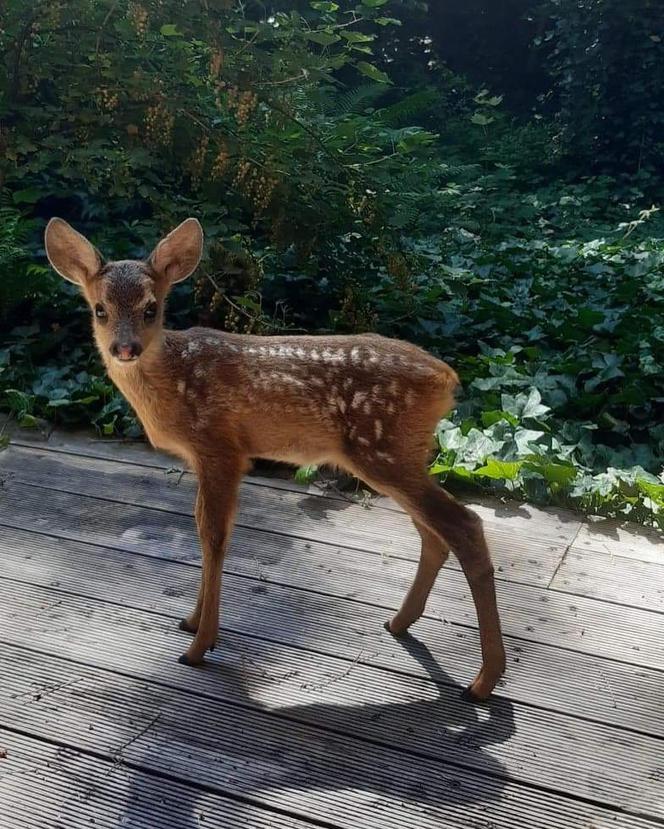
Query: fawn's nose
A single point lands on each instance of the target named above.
(126, 351)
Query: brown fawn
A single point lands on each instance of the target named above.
(217, 400)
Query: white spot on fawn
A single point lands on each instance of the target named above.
(337, 356)
(355, 355)
(314, 354)
(378, 429)
(182, 387)
(283, 377)
(199, 371)
(358, 398)
(192, 348)
(348, 382)
(363, 441)
(383, 456)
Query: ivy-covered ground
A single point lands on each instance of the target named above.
(348, 179)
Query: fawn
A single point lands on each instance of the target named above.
(216, 400)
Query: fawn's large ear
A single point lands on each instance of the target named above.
(178, 254)
(70, 253)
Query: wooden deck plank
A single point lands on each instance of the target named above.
(128, 526)
(140, 453)
(536, 552)
(612, 578)
(595, 535)
(419, 717)
(49, 786)
(280, 763)
(550, 678)
(254, 552)
(626, 540)
(529, 613)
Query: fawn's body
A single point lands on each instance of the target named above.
(217, 400)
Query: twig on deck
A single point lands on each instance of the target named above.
(317, 687)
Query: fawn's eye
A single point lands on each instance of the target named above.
(150, 313)
(100, 312)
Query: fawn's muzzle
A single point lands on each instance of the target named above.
(126, 351)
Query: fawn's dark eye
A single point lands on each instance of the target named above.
(150, 313)
(100, 313)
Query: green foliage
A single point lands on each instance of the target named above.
(607, 61)
(349, 180)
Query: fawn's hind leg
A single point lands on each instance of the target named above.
(461, 529)
(433, 555)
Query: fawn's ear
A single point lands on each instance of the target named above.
(178, 254)
(70, 253)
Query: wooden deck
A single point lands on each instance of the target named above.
(308, 714)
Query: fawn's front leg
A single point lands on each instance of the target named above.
(218, 483)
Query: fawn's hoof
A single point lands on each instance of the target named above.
(396, 634)
(184, 625)
(481, 689)
(187, 660)
(468, 695)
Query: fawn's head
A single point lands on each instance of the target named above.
(127, 296)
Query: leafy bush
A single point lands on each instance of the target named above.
(347, 180)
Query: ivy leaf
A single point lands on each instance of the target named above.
(481, 119)
(373, 72)
(495, 416)
(507, 470)
(373, 4)
(387, 21)
(29, 195)
(323, 38)
(324, 6)
(170, 30)
(524, 437)
(357, 37)
(306, 474)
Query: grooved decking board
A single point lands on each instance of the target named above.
(538, 549)
(75, 625)
(274, 557)
(614, 539)
(44, 786)
(173, 535)
(139, 452)
(527, 612)
(613, 579)
(280, 763)
(505, 739)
